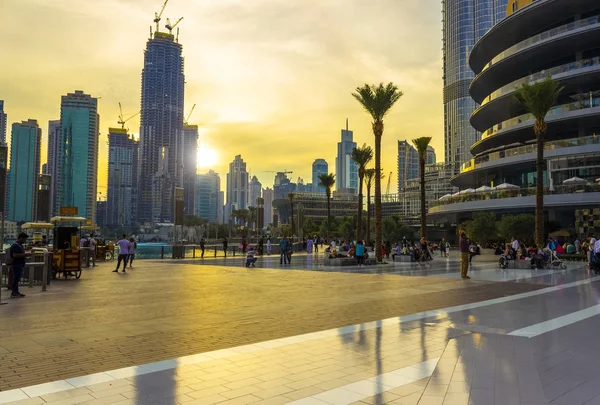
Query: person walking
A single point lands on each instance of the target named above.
(316, 244)
(17, 263)
(269, 246)
(283, 246)
(360, 253)
(443, 248)
(93, 249)
(123, 244)
(464, 256)
(202, 247)
(131, 251)
(225, 246)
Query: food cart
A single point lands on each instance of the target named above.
(66, 259)
(37, 230)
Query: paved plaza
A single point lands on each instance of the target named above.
(214, 332)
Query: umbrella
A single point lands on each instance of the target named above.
(506, 186)
(445, 197)
(468, 191)
(575, 180)
(484, 188)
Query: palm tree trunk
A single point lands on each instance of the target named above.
(328, 216)
(368, 216)
(423, 208)
(292, 204)
(378, 236)
(539, 191)
(360, 209)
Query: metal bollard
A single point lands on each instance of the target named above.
(45, 270)
(162, 252)
(31, 274)
(194, 253)
(215, 252)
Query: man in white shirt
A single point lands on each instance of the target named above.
(514, 244)
(592, 248)
(123, 244)
(93, 249)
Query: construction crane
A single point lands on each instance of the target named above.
(170, 27)
(158, 16)
(185, 122)
(272, 171)
(387, 190)
(123, 121)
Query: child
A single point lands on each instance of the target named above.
(250, 259)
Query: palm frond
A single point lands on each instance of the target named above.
(421, 144)
(377, 100)
(362, 156)
(540, 97)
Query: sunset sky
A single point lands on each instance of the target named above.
(271, 78)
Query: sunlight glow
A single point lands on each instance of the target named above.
(207, 156)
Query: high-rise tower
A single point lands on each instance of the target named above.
(465, 21)
(190, 157)
(123, 152)
(319, 167)
(237, 186)
(77, 169)
(161, 128)
(52, 157)
(346, 170)
(2, 124)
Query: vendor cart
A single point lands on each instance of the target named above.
(66, 260)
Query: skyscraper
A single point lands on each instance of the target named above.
(190, 158)
(254, 191)
(346, 170)
(54, 134)
(268, 197)
(221, 208)
(431, 158)
(25, 150)
(465, 21)
(408, 164)
(2, 124)
(77, 168)
(123, 151)
(237, 185)
(207, 196)
(319, 167)
(161, 127)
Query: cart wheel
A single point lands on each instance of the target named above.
(78, 274)
(109, 256)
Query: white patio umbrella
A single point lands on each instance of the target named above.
(444, 197)
(574, 181)
(506, 186)
(484, 188)
(468, 191)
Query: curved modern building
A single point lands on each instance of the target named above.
(465, 21)
(556, 38)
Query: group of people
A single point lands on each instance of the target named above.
(126, 253)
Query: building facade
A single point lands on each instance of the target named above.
(190, 158)
(237, 185)
(268, 197)
(464, 23)
(319, 167)
(54, 136)
(557, 38)
(43, 199)
(208, 188)
(408, 164)
(161, 129)
(346, 170)
(431, 158)
(123, 154)
(3, 123)
(254, 191)
(77, 168)
(25, 151)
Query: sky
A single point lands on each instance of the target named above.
(271, 79)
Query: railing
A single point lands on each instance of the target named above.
(577, 105)
(37, 271)
(509, 88)
(476, 163)
(542, 37)
(513, 193)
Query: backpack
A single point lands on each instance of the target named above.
(86, 243)
(8, 259)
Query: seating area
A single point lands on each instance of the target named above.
(347, 261)
(402, 258)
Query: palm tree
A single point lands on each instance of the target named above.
(328, 181)
(369, 174)
(377, 100)
(538, 99)
(421, 144)
(291, 197)
(362, 157)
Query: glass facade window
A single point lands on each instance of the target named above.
(319, 167)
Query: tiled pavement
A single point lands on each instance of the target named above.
(175, 312)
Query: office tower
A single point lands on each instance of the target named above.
(77, 168)
(430, 158)
(237, 186)
(346, 170)
(25, 150)
(208, 187)
(268, 197)
(161, 125)
(408, 164)
(319, 167)
(282, 186)
(254, 191)
(221, 208)
(101, 213)
(43, 199)
(2, 124)
(54, 132)
(464, 21)
(190, 159)
(123, 154)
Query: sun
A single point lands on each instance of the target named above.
(207, 156)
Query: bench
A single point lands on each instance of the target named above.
(403, 258)
(519, 264)
(346, 261)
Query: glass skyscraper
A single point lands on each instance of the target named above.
(237, 186)
(319, 167)
(190, 157)
(208, 187)
(346, 170)
(465, 21)
(2, 124)
(161, 128)
(77, 169)
(25, 150)
(52, 157)
(123, 152)
(408, 164)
